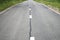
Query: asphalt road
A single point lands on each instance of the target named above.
(14, 23)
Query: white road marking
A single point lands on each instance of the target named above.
(30, 9)
(32, 38)
(30, 16)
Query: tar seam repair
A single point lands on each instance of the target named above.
(30, 31)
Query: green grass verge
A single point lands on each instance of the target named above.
(6, 4)
(53, 4)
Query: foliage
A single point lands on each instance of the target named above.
(7, 3)
(53, 3)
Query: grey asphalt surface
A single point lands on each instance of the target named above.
(14, 23)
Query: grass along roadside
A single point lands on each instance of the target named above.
(53, 5)
(7, 4)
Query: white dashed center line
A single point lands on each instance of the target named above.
(32, 38)
(29, 9)
(30, 16)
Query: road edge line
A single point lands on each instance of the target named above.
(10, 7)
(48, 7)
(51, 9)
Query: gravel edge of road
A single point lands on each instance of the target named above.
(49, 8)
(10, 8)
